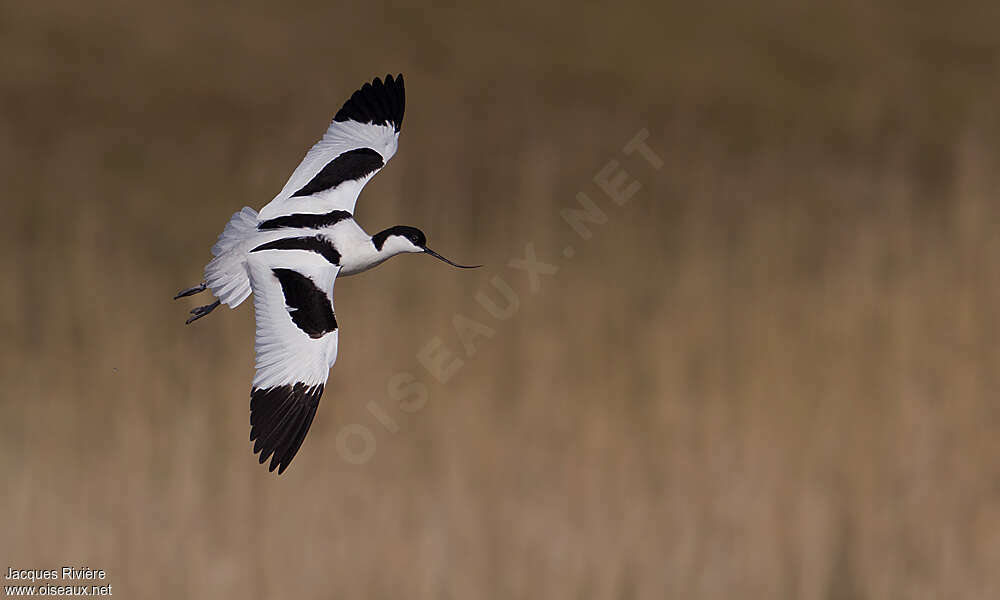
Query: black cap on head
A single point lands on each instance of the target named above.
(416, 237)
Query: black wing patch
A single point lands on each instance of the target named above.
(317, 244)
(308, 305)
(306, 220)
(376, 102)
(279, 420)
(351, 165)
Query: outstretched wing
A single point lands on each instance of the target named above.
(361, 139)
(296, 344)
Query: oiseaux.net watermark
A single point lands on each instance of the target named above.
(406, 393)
(62, 581)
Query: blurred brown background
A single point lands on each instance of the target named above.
(772, 374)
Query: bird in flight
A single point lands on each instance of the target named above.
(289, 254)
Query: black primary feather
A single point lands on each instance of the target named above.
(376, 102)
(279, 420)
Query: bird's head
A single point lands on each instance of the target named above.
(403, 238)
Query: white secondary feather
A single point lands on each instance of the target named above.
(340, 137)
(285, 353)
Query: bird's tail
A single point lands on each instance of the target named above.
(226, 274)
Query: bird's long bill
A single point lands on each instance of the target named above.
(439, 257)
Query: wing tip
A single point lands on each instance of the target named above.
(378, 102)
(280, 417)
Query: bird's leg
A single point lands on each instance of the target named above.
(191, 291)
(201, 311)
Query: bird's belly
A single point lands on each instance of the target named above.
(348, 267)
(352, 264)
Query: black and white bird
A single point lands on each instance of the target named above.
(289, 254)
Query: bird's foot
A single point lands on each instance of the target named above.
(201, 311)
(191, 291)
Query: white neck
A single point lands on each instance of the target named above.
(364, 255)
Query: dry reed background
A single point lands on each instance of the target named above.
(773, 374)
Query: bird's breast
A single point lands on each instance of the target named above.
(357, 258)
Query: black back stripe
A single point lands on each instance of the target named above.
(376, 102)
(316, 244)
(306, 221)
(308, 305)
(279, 420)
(349, 166)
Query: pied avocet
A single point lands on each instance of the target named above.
(289, 254)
